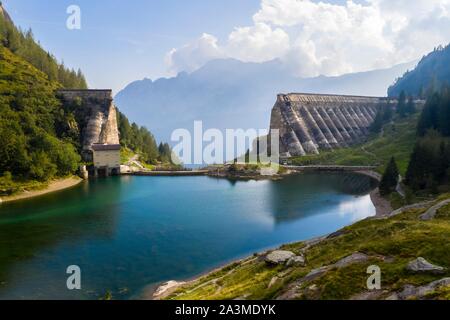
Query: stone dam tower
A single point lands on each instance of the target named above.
(309, 123)
(99, 131)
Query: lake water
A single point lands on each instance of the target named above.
(128, 232)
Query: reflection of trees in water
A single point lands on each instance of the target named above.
(30, 227)
(303, 195)
(355, 184)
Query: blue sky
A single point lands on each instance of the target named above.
(123, 41)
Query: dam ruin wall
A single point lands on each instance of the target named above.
(99, 118)
(309, 123)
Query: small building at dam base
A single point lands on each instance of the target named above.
(106, 159)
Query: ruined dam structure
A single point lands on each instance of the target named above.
(309, 123)
(97, 115)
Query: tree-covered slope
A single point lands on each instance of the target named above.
(34, 129)
(23, 45)
(430, 75)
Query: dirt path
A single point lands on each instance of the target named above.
(56, 185)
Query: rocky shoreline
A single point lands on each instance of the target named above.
(298, 270)
(382, 206)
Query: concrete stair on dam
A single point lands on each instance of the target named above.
(310, 123)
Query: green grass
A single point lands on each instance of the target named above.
(397, 140)
(402, 238)
(12, 187)
(125, 155)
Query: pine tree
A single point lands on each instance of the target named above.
(443, 162)
(443, 113)
(410, 106)
(377, 124)
(388, 113)
(429, 116)
(25, 46)
(401, 107)
(390, 178)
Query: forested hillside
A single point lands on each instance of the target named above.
(431, 74)
(31, 121)
(429, 167)
(23, 45)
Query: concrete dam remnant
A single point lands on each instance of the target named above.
(309, 123)
(100, 118)
(99, 131)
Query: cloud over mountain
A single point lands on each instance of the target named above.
(312, 38)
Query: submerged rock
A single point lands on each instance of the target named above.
(279, 257)
(422, 265)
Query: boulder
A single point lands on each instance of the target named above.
(368, 295)
(272, 282)
(316, 273)
(354, 258)
(279, 257)
(166, 289)
(431, 213)
(297, 261)
(411, 292)
(420, 265)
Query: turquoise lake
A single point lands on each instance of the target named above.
(126, 233)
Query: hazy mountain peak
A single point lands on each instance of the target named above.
(227, 93)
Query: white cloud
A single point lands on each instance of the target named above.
(314, 38)
(257, 43)
(194, 55)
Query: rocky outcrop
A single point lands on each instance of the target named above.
(420, 265)
(292, 291)
(298, 261)
(431, 213)
(354, 258)
(310, 123)
(279, 257)
(99, 117)
(166, 289)
(412, 292)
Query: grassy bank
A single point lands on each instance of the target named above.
(30, 189)
(397, 140)
(388, 243)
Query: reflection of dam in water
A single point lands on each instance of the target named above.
(124, 232)
(321, 186)
(356, 184)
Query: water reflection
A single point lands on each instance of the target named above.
(29, 228)
(316, 192)
(131, 231)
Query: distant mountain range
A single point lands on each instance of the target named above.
(432, 72)
(231, 94)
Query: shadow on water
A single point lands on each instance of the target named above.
(30, 227)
